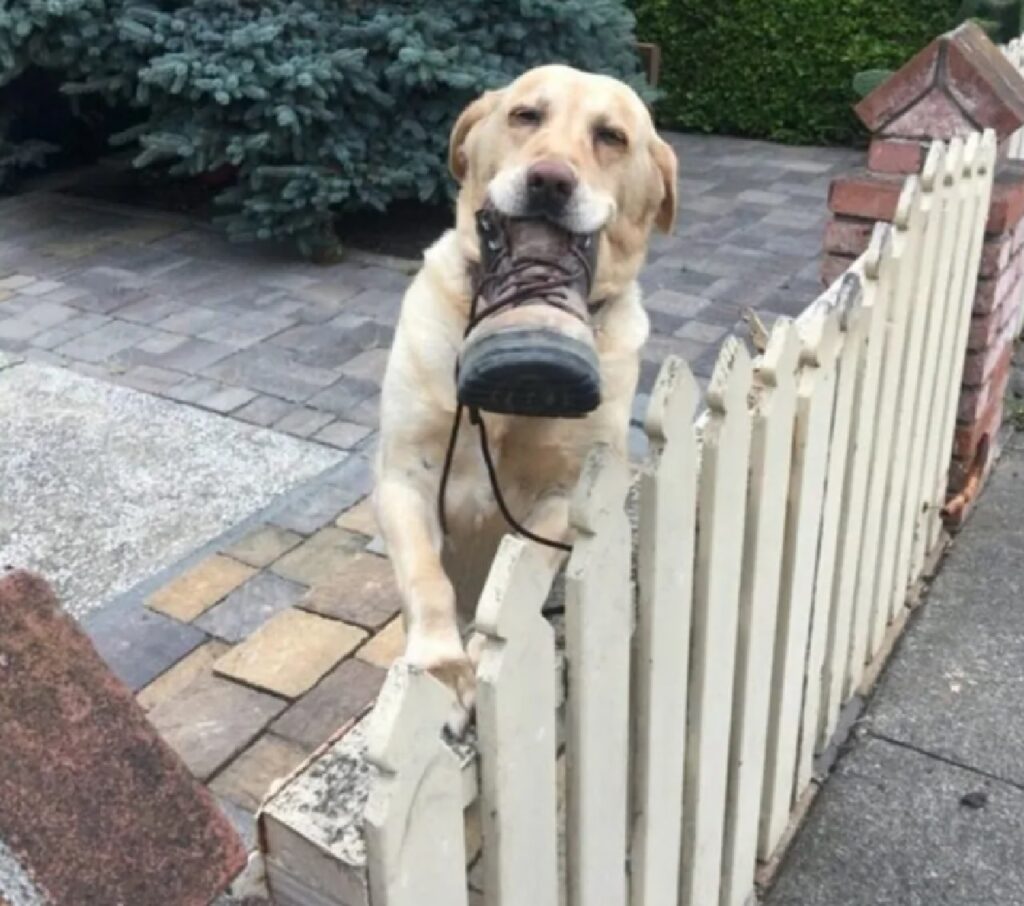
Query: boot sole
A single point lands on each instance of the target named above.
(530, 372)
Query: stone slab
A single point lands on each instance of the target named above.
(363, 591)
(212, 720)
(320, 558)
(386, 646)
(263, 546)
(359, 518)
(181, 675)
(290, 653)
(957, 685)
(247, 780)
(138, 644)
(197, 590)
(94, 806)
(889, 829)
(338, 698)
(109, 485)
(250, 606)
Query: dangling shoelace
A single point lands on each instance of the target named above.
(547, 289)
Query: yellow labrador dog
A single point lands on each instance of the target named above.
(584, 147)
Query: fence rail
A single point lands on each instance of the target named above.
(778, 535)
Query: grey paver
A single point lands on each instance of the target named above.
(264, 410)
(303, 422)
(338, 698)
(104, 342)
(138, 644)
(272, 370)
(227, 399)
(249, 606)
(343, 395)
(343, 435)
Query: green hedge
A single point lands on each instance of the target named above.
(779, 69)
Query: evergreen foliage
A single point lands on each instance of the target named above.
(314, 106)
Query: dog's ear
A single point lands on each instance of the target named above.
(469, 117)
(665, 162)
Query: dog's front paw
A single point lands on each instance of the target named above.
(446, 659)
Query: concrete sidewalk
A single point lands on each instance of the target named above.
(926, 808)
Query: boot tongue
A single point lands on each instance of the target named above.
(536, 238)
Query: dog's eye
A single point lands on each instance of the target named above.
(609, 135)
(525, 116)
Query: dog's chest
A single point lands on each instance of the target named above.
(531, 458)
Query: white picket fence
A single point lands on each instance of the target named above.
(779, 533)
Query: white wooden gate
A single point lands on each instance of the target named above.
(778, 534)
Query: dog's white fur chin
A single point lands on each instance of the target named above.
(587, 212)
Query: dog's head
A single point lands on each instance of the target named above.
(575, 148)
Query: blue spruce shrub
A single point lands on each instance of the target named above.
(315, 106)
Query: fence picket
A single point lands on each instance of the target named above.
(665, 538)
(844, 309)
(935, 191)
(722, 494)
(815, 404)
(904, 259)
(599, 623)
(415, 841)
(517, 730)
(851, 379)
(898, 524)
(773, 414)
(979, 159)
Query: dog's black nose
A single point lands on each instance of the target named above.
(549, 186)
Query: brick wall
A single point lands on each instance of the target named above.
(958, 83)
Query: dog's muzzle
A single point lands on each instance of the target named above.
(529, 344)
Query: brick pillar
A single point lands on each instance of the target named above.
(958, 83)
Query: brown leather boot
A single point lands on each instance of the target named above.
(529, 346)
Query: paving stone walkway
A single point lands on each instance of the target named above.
(248, 651)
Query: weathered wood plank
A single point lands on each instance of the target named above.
(665, 541)
(721, 524)
(773, 414)
(517, 731)
(415, 842)
(815, 405)
(599, 623)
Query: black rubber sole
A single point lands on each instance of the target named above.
(530, 372)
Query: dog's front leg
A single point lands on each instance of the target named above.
(408, 520)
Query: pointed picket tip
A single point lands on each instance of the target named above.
(933, 165)
(878, 247)
(905, 205)
(781, 355)
(989, 151)
(954, 161)
(820, 336)
(520, 570)
(848, 299)
(730, 381)
(972, 154)
(410, 714)
(602, 488)
(673, 400)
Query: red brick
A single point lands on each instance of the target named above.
(967, 437)
(93, 803)
(990, 292)
(979, 366)
(833, 267)
(935, 115)
(872, 196)
(848, 237)
(985, 329)
(974, 400)
(1007, 207)
(893, 155)
(981, 80)
(995, 254)
(900, 90)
